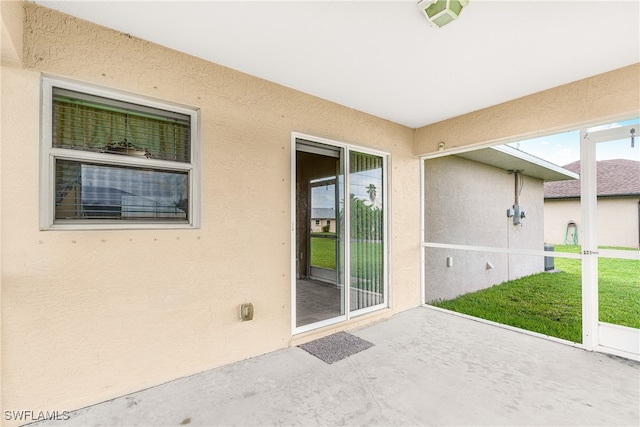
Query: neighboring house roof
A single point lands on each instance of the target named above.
(323, 213)
(103, 196)
(618, 177)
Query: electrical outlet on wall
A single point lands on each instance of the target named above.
(246, 311)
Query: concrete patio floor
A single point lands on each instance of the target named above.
(426, 368)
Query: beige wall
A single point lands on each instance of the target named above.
(11, 14)
(466, 204)
(617, 221)
(596, 100)
(90, 315)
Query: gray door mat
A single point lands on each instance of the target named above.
(336, 347)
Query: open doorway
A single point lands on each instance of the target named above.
(567, 265)
(319, 230)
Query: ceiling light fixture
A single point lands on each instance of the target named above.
(441, 12)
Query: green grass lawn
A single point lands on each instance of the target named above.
(366, 260)
(551, 304)
(323, 252)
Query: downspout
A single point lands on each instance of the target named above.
(517, 213)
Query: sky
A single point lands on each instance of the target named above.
(324, 196)
(564, 148)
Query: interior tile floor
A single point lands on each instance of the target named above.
(426, 368)
(316, 301)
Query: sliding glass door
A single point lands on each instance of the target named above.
(339, 244)
(367, 230)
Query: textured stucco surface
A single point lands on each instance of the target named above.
(596, 100)
(466, 204)
(90, 315)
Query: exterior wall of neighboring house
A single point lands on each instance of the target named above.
(466, 204)
(91, 315)
(617, 221)
(318, 224)
(321, 217)
(618, 190)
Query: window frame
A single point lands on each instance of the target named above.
(49, 154)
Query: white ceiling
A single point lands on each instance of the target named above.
(383, 57)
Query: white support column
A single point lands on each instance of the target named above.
(423, 250)
(589, 215)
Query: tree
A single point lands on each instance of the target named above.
(366, 220)
(371, 190)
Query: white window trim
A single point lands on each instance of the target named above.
(48, 154)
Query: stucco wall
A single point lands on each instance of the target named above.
(466, 204)
(90, 315)
(617, 221)
(597, 100)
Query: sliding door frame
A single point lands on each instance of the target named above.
(346, 149)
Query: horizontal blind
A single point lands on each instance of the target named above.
(91, 123)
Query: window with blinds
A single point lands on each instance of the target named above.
(116, 161)
(91, 123)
